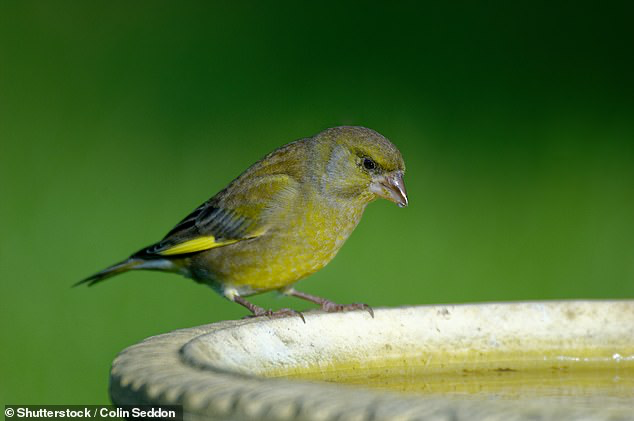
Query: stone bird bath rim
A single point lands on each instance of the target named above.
(234, 370)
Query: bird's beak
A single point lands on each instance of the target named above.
(390, 187)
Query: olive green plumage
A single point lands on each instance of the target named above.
(281, 220)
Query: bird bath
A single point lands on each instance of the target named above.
(535, 360)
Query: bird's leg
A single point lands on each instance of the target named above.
(256, 310)
(259, 311)
(328, 305)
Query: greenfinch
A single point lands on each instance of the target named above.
(281, 220)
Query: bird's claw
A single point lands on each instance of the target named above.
(332, 307)
(287, 312)
(284, 312)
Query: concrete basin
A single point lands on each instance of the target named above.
(559, 360)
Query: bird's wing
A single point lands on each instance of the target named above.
(235, 214)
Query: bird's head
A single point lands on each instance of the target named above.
(361, 164)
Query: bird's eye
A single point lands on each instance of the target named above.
(369, 164)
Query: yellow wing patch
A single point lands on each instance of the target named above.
(197, 244)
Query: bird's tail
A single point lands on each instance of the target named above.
(121, 267)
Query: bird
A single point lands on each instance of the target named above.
(281, 220)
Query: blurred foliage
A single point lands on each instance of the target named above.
(118, 118)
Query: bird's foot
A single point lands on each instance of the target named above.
(327, 305)
(284, 312)
(259, 311)
(332, 307)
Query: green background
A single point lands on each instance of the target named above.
(516, 121)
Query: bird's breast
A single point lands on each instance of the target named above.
(298, 243)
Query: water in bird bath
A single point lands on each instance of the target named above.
(580, 378)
